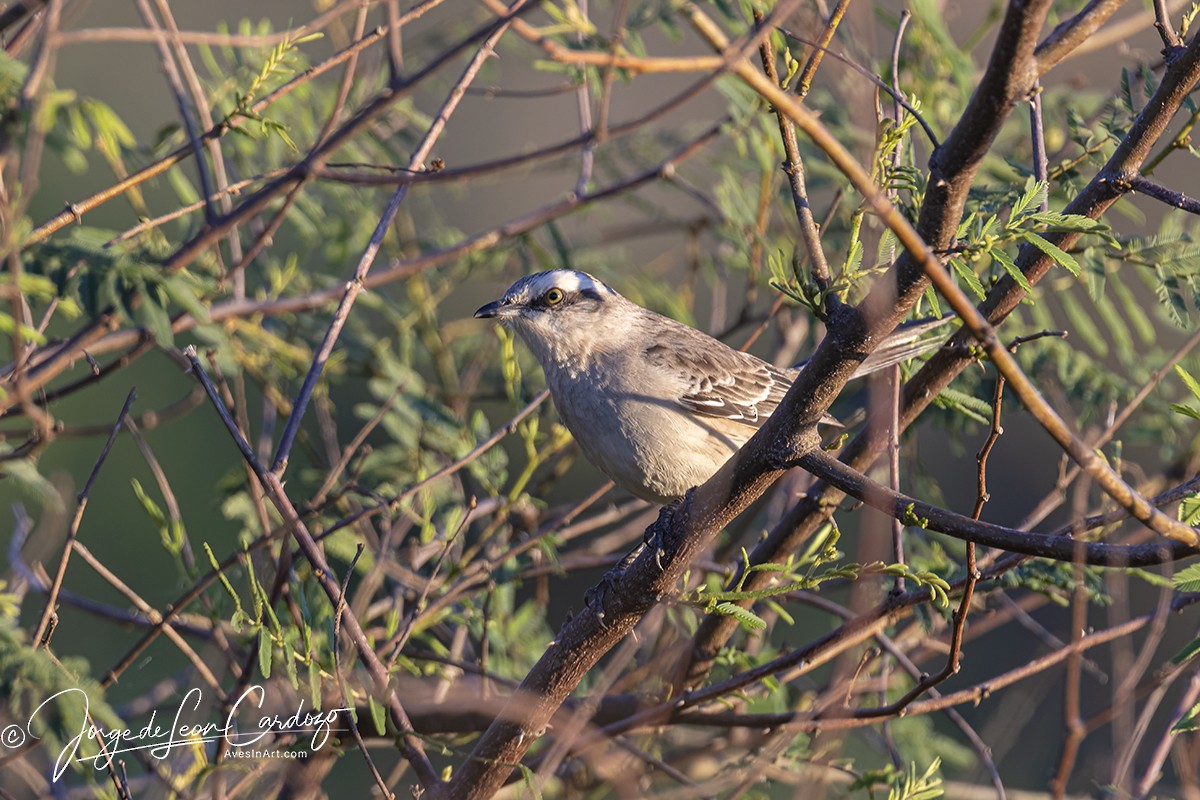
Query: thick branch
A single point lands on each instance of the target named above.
(1100, 193)
(1059, 546)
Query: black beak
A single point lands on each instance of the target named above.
(497, 308)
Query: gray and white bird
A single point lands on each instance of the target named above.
(654, 404)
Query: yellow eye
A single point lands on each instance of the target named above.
(554, 297)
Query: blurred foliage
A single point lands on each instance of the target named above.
(460, 569)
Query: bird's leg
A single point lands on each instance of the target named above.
(653, 537)
(596, 598)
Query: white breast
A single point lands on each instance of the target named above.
(649, 445)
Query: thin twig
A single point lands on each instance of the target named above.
(175, 83)
(81, 501)
(1153, 771)
(75, 210)
(356, 283)
(793, 167)
(410, 745)
(878, 81)
(820, 47)
(341, 681)
(1037, 135)
(1162, 24)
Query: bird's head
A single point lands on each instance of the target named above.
(555, 309)
(551, 304)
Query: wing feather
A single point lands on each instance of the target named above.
(719, 381)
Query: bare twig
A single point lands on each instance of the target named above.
(410, 745)
(81, 501)
(1152, 773)
(793, 167)
(341, 606)
(1174, 199)
(804, 82)
(356, 283)
(1162, 24)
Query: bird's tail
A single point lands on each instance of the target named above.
(907, 341)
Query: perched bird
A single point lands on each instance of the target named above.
(655, 404)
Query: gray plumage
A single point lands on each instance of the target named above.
(655, 404)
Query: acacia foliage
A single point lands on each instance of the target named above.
(449, 503)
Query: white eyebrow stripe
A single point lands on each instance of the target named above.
(569, 281)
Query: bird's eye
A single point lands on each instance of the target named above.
(554, 297)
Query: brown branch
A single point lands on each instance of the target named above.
(1059, 547)
(337, 666)
(1152, 773)
(1162, 23)
(75, 210)
(355, 285)
(804, 82)
(1073, 32)
(175, 83)
(81, 501)
(410, 746)
(793, 167)
(138, 35)
(939, 217)
(1075, 730)
(895, 94)
(1174, 199)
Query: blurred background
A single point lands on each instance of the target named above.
(680, 246)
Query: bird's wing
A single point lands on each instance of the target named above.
(719, 381)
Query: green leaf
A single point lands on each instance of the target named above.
(969, 277)
(265, 651)
(151, 508)
(1001, 258)
(1084, 327)
(1187, 580)
(1186, 411)
(1189, 721)
(1189, 510)
(378, 715)
(1060, 256)
(289, 663)
(1152, 578)
(1034, 191)
(1062, 223)
(314, 682)
(745, 617)
(23, 472)
(178, 289)
(1191, 383)
(1187, 652)
(967, 405)
(212, 559)
(154, 316)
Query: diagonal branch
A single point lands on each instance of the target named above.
(409, 744)
(1059, 545)
(81, 502)
(355, 285)
(948, 179)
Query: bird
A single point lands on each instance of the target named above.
(654, 404)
